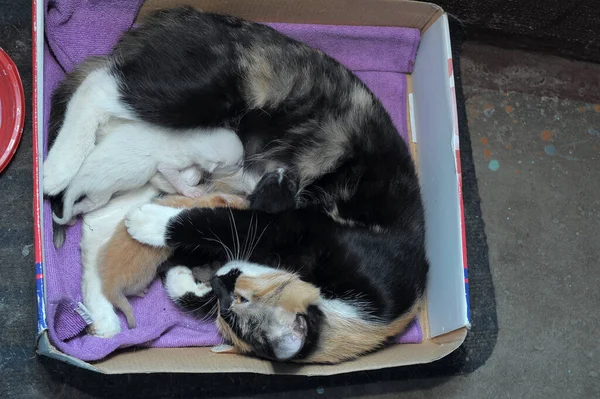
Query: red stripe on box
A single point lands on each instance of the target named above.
(37, 229)
(37, 221)
(450, 67)
(466, 281)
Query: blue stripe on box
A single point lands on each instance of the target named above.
(39, 292)
(468, 300)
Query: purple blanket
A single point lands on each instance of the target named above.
(76, 29)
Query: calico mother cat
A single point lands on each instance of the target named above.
(331, 275)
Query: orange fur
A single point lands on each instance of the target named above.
(340, 339)
(279, 289)
(127, 266)
(240, 345)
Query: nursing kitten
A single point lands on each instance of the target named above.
(127, 266)
(116, 266)
(332, 278)
(133, 153)
(97, 229)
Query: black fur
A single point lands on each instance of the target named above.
(386, 270)
(275, 192)
(314, 317)
(360, 224)
(59, 231)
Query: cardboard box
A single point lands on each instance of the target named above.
(433, 127)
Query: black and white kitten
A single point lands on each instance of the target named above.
(338, 274)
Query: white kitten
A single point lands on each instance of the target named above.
(132, 153)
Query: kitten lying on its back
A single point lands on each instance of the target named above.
(133, 153)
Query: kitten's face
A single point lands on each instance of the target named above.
(266, 312)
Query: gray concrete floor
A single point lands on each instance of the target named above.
(535, 127)
(537, 157)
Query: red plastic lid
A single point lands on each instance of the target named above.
(12, 109)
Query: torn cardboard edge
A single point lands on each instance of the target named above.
(446, 306)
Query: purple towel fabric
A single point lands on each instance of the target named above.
(76, 29)
(381, 48)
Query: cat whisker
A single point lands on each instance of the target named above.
(235, 238)
(258, 240)
(227, 250)
(248, 238)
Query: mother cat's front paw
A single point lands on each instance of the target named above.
(180, 281)
(148, 223)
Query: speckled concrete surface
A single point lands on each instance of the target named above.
(537, 161)
(536, 145)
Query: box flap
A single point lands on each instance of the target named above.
(408, 14)
(45, 348)
(440, 177)
(202, 360)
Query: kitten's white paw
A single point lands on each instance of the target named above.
(56, 181)
(148, 223)
(106, 322)
(180, 281)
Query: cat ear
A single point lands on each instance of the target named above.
(224, 348)
(292, 341)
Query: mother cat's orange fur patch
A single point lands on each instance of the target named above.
(127, 266)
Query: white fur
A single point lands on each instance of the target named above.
(93, 103)
(288, 345)
(191, 176)
(180, 280)
(343, 309)
(148, 223)
(286, 339)
(247, 268)
(132, 154)
(98, 228)
(280, 172)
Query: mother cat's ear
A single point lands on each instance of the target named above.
(292, 339)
